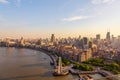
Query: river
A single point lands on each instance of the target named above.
(26, 64)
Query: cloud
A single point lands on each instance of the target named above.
(102, 1)
(75, 18)
(4, 1)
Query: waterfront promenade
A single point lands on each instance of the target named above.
(102, 72)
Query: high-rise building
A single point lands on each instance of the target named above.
(112, 37)
(22, 41)
(90, 44)
(98, 36)
(108, 36)
(118, 37)
(85, 40)
(52, 38)
(79, 38)
(85, 43)
(85, 55)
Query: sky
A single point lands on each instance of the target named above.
(41, 18)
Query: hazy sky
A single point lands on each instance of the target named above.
(41, 18)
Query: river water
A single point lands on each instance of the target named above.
(26, 64)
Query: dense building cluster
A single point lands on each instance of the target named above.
(76, 49)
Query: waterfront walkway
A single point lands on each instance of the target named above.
(102, 72)
(53, 58)
(83, 72)
(105, 73)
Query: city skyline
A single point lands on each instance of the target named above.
(35, 19)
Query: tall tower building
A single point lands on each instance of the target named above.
(98, 36)
(118, 37)
(21, 41)
(108, 36)
(85, 43)
(85, 40)
(52, 38)
(79, 38)
(90, 44)
(112, 37)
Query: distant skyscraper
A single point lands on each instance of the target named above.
(52, 38)
(118, 37)
(90, 44)
(98, 36)
(112, 37)
(79, 38)
(21, 41)
(85, 40)
(108, 36)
